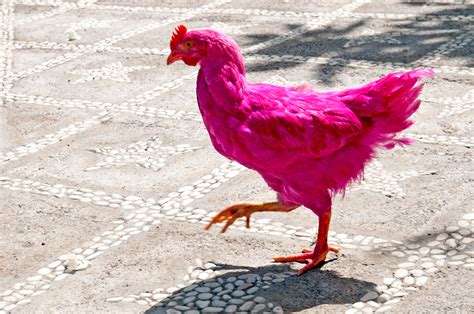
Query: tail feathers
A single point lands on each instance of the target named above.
(388, 104)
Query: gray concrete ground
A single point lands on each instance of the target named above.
(107, 174)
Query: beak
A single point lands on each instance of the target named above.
(173, 57)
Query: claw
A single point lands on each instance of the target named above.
(234, 212)
(231, 214)
(312, 257)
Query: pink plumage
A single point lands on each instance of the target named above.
(307, 145)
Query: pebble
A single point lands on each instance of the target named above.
(259, 299)
(209, 265)
(245, 286)
(433, 243)
(401, 273)
(231, 308)
(205, 296)
(358, 305)
(34, 278)
(459, 257)
(246, 306)
(413, 246)
(44, 271)
(189, 299)
(203, 289)
(373, 304)
(452, 229)
(236, 301)
(388, 281)
(397, 284)
(465, 232)
(451, 243)
(409, 281)
(202, 304)
(203, 276)
(159, 296)
(452, 253)
(238, 293)
(416, 272)
(239, 283)
(369, 296)
(258, 308)
(277, 309)
(226, 297)
(398, 254)
(442, 236)
(218, 303)
(424, 250)
(212, 309)
(26, 292)
(24, 301)
(383, 298)
(421, 281)
(128, 299)
(212, 285)
(440, 263)
(469, 216)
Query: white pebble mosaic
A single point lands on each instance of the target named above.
(207, 290)
(205, 287)
(145, 213)
(149, 154)
(452, 248)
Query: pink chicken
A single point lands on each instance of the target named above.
(306, 145)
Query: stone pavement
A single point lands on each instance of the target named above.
(107, 175)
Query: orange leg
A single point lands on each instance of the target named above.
(321, 249)
(234, 212)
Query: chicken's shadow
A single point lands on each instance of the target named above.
(268, 288)
(403, 41)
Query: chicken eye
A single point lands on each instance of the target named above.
(188, 44)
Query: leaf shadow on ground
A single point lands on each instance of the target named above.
(403, 42)
(295, 293)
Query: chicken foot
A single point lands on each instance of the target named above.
(230, 214)
(318, 254)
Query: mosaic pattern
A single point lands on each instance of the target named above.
(204, 287)
(370, 35)
(89, 23)
(455, 105)
(148, 154)
(201, 291)
(114, 72)
(230, 29)
(450, 248)
(378, 179)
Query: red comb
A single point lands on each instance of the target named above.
(178, 33)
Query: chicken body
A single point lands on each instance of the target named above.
(306, 145)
